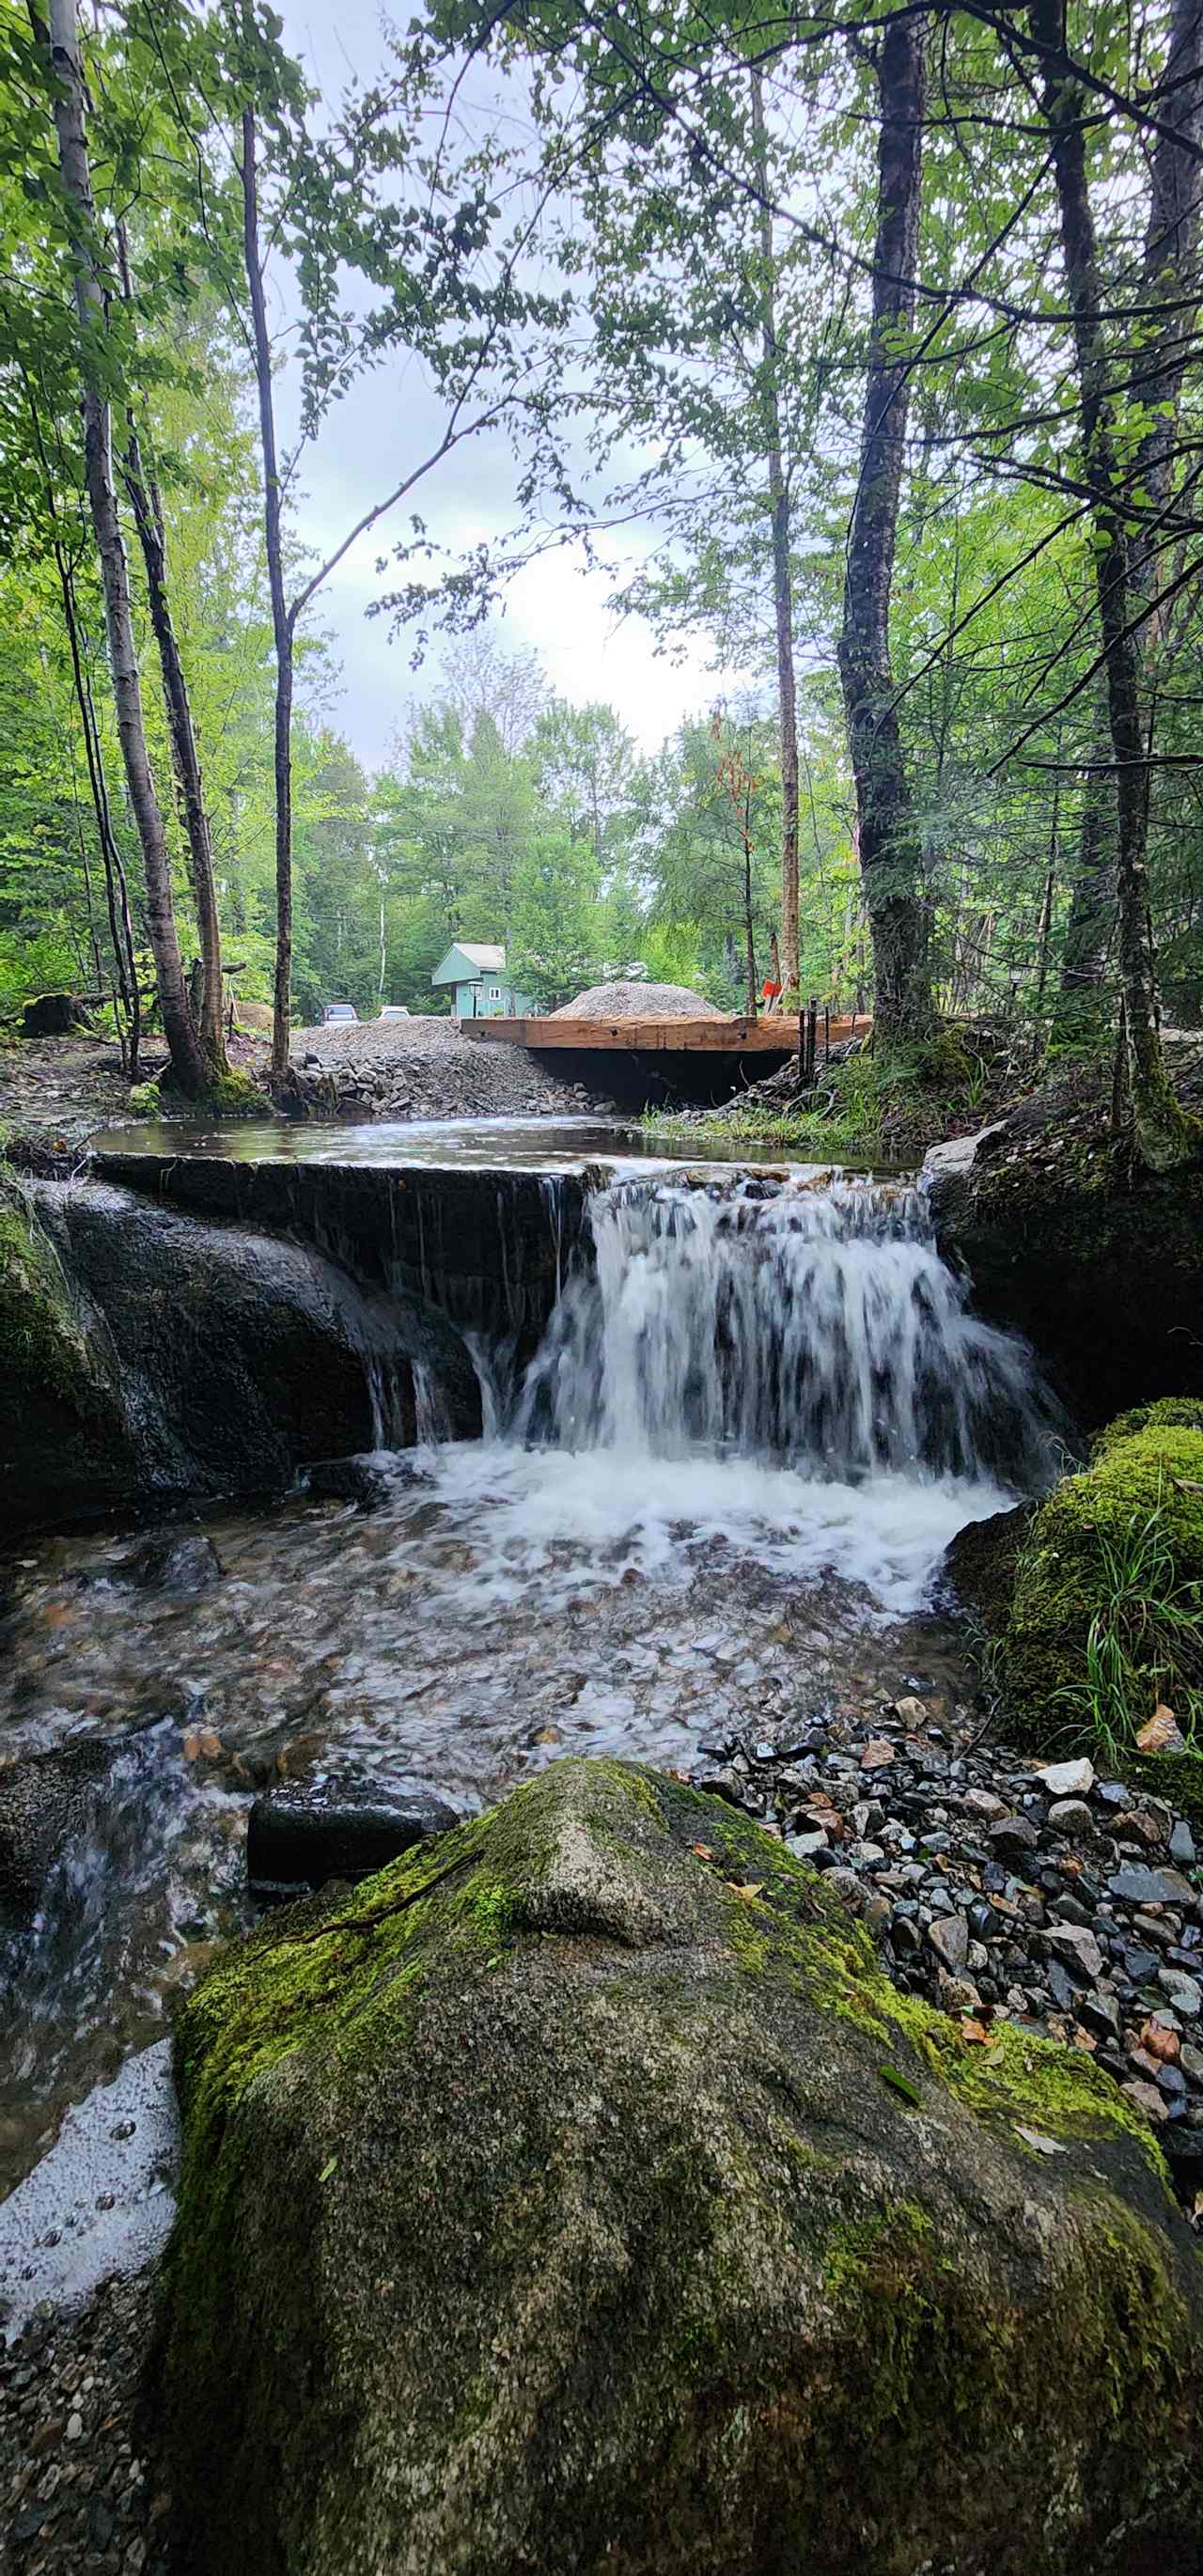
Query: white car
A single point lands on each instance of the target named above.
(394, 1011)
(338, 1015)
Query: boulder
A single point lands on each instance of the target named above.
(182, 1562)
(301, 1834)
(577, 2195)
(44, 1799)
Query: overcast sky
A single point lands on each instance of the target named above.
(556, 605)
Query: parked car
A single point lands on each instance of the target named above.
(394, 1011)
(337, 1014)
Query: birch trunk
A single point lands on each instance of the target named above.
(187, 1061)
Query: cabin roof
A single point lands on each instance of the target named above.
(483, 958)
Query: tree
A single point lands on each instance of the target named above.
(889, 854)
(60, 44)
(1164, 1135)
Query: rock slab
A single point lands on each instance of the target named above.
(576, 2196)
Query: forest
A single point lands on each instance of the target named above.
(878, 328)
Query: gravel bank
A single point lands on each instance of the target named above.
(423, 1068)
(638, 1002)
(999, 1889)
(83, 2494)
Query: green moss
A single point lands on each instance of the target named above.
(40, 1341)
(235, 1095)
(1170, 1413)
(145, 1100)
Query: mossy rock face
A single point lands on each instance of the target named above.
(578, 2196)
(1147, 1470)
(62, 1423)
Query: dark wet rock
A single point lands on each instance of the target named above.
(566, 2229)
(1099, 1268)
(182, 1561)
(225, 1360)
(367, 1482)
(980, 1563)
(45, 1798)
(303, 1833)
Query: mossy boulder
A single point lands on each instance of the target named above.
(577, 2195)
(1106, 1615)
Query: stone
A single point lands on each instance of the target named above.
(805, 1846)
(1067, 1779)
(1161, 1733)
(182, 1562)
(985, 1803)
(877, 1754)
(912, 1711)
(545, 2200)
(1077, 1949)
(1137, 1886)
(1146, 2098)
(949, 1938)
(45, 1798)
(1182, 1845)
(298, 1836)
(1072, 1816)
(1185, 1993)
(1100, 2014)
(1014, 1834)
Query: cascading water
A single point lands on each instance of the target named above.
(815, 1326)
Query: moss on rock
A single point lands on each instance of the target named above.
(578, 2195)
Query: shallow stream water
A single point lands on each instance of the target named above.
(717, 1501)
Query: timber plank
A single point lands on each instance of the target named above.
(652, 1037)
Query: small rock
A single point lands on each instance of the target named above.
(75, 2426)
(805, 1846)
(1146, 2098)
(1078, 1950)
(1182, 1845)
(1014, 1834)
(1072, 1816)
(1161, 1733)
(1185, 1994)
(1068, 1779)
(983, 1802)
(912, 1711)
(877, 1753)
(949, 1938)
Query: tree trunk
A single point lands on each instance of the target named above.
(889, 847)
(148, 519)
(121, 931)
(1171, 246)
(282, 623)
(187, 1061)
(1163, 1133)
(779, 519)
(1091, 923)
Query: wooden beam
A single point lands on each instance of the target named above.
(777, 1036)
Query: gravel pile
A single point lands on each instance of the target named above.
(996, 1889)
(423, 1068)
(638, 1002)
(82, 2494)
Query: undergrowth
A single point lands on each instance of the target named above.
(856, 1103)
(1146, 1635)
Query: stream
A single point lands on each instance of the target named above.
(716, 1499)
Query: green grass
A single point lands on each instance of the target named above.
(1146, 1634)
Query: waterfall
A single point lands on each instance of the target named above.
(814, 1325)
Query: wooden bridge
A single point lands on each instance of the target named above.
(766, 1036)
(641, 1062)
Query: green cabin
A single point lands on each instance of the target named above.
(480, 991)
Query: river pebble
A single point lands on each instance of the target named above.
(83, 2492)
